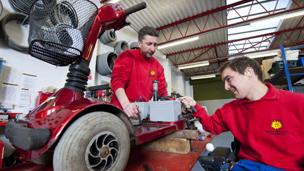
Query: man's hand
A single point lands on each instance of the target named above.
(131, 109)
(187, 101)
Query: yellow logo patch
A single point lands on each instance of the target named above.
(276, 124)
(152, 72)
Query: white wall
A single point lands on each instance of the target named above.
(17, 63)
(46, 73)
(179, 82)
(188, 89)
(212, 105)
(167, 70)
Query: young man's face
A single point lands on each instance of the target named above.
(148, 45)
(238, 84)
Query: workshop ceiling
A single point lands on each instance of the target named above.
(225, 28)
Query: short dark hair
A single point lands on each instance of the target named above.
(240, 64)
(147, 30)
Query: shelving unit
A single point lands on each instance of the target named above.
(1, 64)
(288, 75)
(280, 79)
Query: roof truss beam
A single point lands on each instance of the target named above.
(201, 23)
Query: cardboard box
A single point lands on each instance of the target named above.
(266, 66)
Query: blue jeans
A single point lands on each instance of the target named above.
(248, 165)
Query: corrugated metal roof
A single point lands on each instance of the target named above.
(290, 37)
(162, 12)
(204, 39)
(166, 15)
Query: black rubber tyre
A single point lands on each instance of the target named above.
(95, 141)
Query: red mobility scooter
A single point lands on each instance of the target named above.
(74, 132)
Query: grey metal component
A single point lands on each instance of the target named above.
(26, 138)
(144, 109)
(105, 63)
(134, 45)
(9, 149)
(120, 47)
(108, 37)
(102, 151)
(155, 90)
(167, 111)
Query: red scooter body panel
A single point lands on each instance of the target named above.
(62, 107)
(55, 114)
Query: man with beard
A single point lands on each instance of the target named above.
(266, 121)
(134, 72)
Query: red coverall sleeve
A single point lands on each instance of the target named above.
(211, 123)
(121, 72)
(162, 86)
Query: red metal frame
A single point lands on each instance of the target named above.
(109, 16)
(218, 51)
(152, 130)
(214, 68)
(1, 152)
(208, 47)
(202, 14)
(55, 114)
(220, 25)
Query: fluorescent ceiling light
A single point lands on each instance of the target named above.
(263, 54)
(111, 1)
(193, 65)
(278, 17)
(179, 42)
(203, 76)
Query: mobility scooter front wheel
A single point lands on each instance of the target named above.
(95, 141)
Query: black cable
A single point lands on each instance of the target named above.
(8, 18)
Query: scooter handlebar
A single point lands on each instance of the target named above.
(135, 8)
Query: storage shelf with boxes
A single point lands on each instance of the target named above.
(287, 69)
